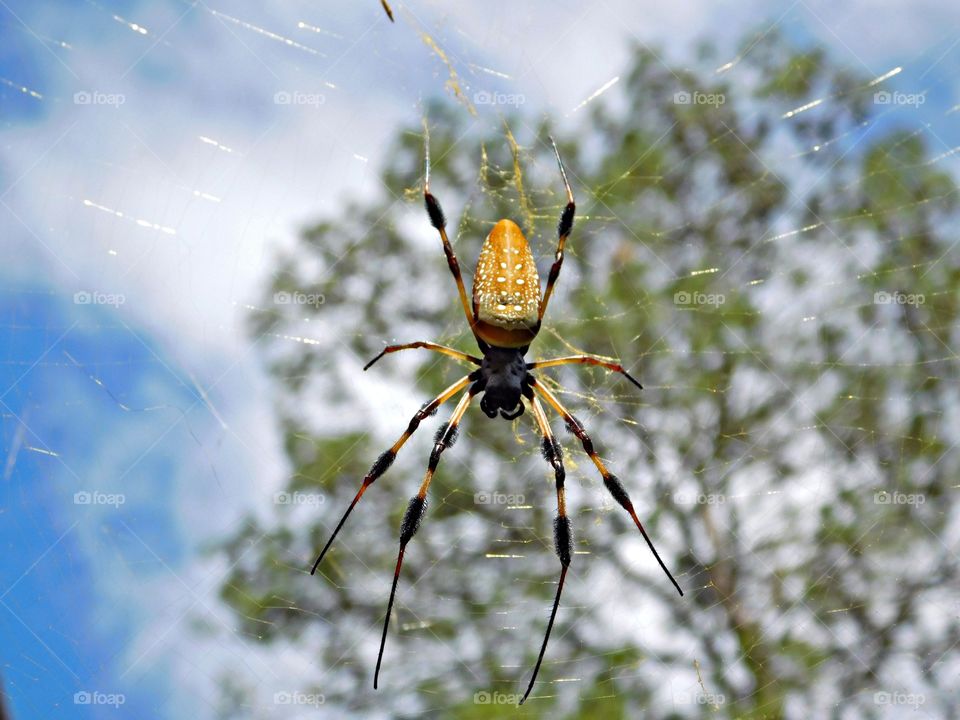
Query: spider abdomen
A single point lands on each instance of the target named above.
(506, 286)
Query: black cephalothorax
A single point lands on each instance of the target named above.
(503, 378)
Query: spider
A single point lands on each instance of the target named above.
(505, 316)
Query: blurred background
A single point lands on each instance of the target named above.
(211, 217)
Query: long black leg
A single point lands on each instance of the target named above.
(438, 221)
(561, 524)
(443, 349)
(386, 459)
(585, 360)
(563, 232)
(611, 481)
(446, 437)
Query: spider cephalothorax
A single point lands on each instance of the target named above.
(504, 378)
(505, 316)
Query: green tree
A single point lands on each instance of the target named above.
(776, 279)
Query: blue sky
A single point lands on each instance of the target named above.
(60, 636)
(162, 210)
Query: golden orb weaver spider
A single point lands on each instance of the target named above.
(505, 316)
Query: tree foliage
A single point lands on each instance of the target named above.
(778, 454)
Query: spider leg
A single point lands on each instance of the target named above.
(585, 360)
(611, 481)
(561, 524)
(386, 459)
(443, 349)
(438, 220)
(563, 231)
(446, 437)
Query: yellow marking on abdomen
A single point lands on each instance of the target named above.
(506, 286)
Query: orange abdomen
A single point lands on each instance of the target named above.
(506, 287)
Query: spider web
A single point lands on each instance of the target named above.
(792, 452)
